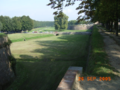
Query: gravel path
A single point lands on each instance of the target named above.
(113, 51)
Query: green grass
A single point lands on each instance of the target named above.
(2, 34)
(44, 29)
(41, 63)
(21, 36)
(99, 64)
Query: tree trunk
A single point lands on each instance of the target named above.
(116, 27)
(107, 25)
(116, 20)
(111, 26)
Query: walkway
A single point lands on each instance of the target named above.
(113, 51)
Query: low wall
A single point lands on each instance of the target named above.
(72, 33)
(80, 27)
(70, 78)
(6, 72)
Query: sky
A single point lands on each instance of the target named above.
(35, 9)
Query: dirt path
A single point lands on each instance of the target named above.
(113, 51)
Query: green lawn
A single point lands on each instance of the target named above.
(16, 37)
(41, 63)
(21, 36)
(44, 29)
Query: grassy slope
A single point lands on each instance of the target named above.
(44, 29)
(2, 34)
(99, 63)
(21, 36)
(54, 47)
(58, 53)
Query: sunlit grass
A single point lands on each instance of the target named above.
(21, 36)
(50, 47)
(41, 63)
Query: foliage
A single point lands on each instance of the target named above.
(27, 23)
(61, 22)
(16, 24)
(104, 11)
(2, 34)
(1, 26)
(37, 24)
(13, 63)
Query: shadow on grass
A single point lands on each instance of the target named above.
(45, 72)
(72, 48)
(41, 75)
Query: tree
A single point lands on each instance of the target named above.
(72, 22)
(8, 24)
(37, 24)
(61, 22)
(1, 26)
(3, 22)
(104, 11)
(16, 23)
(27, 23)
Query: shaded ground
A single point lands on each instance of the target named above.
(51, 48)
(41, 63)
(113, 51)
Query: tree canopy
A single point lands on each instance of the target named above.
(61, 23)
(17, 24)
(104, 11)
(1, 26)
(37, 24)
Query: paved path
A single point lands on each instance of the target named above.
(113, 51)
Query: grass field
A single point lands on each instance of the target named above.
(44, 29)
(41, 63)
(21, 36)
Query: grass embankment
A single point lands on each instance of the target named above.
(21, 36)
(2, 34)
(41, 63)
(45, 29)
(98, 63)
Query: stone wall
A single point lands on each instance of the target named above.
(73, 33)
(80, 27)
(6, 72)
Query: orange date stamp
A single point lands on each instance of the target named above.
(93, 78)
